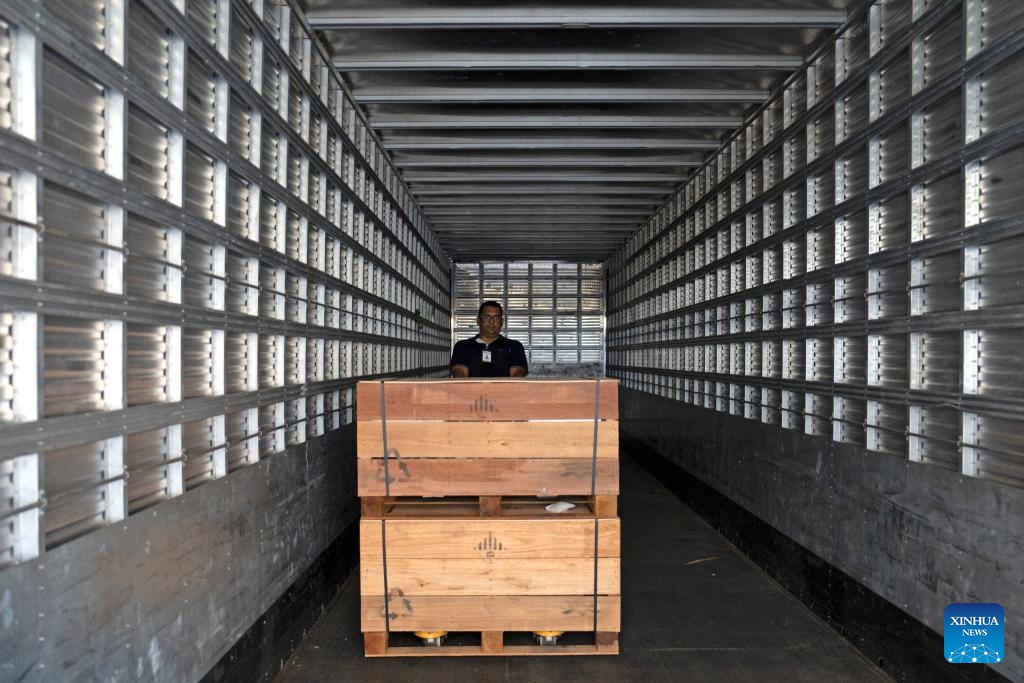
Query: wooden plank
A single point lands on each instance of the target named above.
(606, 506)
(534, 576)
(484, 477)
(375, 644)
(372, 506)
(607, 643)
(531, 507)
(491, 612)
(492, 399)
(536, 439)
(488, 540)
(492, 642)
(490, 506)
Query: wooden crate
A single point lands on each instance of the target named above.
(491, 576)
(487, 437)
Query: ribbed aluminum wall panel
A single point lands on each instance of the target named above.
(202, 248)
(848, 263)
(555, 309)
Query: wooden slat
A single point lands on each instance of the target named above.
(487, 477)
(607, 644)
(535, 576)
(491, 612)
(485, 506)
(504, 539)
(410, 440)
(494, 399)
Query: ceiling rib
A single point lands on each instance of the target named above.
(547, 142)
(520, 202)
(529, 161)
(505, 210)
(533, 224)
(548, 121)
(550, 188)
(526, 175)
(571, 18)
(536, 60)
(542, 94)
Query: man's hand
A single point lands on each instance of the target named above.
(459, 371)
(517, 371)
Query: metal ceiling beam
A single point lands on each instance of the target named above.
(532, 219)
(498, 95)
(532, 161)
(564, 200)
(543, 234)
(549, 188)
(526, 175)
(534, 60)
(542, 229)
(546, 142)
(512, 248)
(547, 122)
(553, 252)
(568, 18)
(483, 228)
(450, 213)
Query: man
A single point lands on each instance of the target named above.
(489, 354)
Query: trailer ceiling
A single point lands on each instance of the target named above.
(532, 130)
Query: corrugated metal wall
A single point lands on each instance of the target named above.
(849, 263)
(202, 248)
(831, 309)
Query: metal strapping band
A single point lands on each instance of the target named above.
(387, 593)
(593, 492)
(597, 421)
(597, 538)
(384, 430)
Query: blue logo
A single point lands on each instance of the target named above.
(974, 633)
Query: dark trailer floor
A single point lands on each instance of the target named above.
(693, 609)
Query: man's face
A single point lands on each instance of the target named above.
(489, 321)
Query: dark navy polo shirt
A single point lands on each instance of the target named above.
(505, 353)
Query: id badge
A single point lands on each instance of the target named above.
(486, 356)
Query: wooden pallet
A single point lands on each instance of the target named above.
(376, 644)
(486, 506)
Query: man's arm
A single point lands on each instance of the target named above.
(460, 363)
(517, 361)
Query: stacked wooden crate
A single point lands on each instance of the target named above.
(455, 479)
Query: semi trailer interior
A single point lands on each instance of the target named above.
(791, 230)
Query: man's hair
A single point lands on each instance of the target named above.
(490, 304)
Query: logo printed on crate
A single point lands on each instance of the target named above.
(973, 633)
(482, 405)
(398, 604)
(489, 547)
(398, 469)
